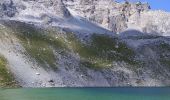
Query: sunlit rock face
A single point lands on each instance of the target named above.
(109, 14)
(35, 8)
(118, 17)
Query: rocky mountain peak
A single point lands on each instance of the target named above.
(109, 14)
(11, 8)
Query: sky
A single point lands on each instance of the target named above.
(156, 4)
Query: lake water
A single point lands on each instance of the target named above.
(86, 94)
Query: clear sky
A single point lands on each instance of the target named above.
(156, 4)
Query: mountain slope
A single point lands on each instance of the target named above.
(47, 57)
(71, 43)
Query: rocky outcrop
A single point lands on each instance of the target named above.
(7, 8)
(152, 22)
(121, 16)
(34, 8)
(108, 13)
(60, 9)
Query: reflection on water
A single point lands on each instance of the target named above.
(86, 94)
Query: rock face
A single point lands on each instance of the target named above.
(7, 8)
(108, 13)
(60, 9)
(152, 22)
(118, 17)
(33, 8)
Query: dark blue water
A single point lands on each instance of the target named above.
(86, 94)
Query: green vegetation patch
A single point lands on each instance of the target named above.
(101, 51)
(165, 62)
(6, 79)
(164, 55)
(41, 47)
(40, 43)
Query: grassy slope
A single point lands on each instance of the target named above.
(39, 44)
(100, 53)
(163, 51)
(6, 79)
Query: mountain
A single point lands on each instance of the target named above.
(118, 17)
(83, 43)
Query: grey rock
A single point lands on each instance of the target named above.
(108, 13)
(7, 8)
